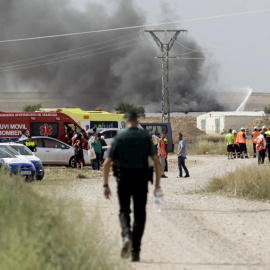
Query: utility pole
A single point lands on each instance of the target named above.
(165, 48)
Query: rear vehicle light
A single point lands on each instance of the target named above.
(33, 118)
(58, 118)
(86, 117)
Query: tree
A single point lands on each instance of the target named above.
(32, 108)
(128, 107)
(267, 110)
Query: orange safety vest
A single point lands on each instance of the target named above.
(240, 137)
(255, 135)
(259, 144)
(235, 140)
(162, 146)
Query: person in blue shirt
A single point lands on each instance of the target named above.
(182, 156)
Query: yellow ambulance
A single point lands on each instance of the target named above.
(97, 118)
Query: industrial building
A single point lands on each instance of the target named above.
(220, 122)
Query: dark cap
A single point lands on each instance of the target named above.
(131, 116)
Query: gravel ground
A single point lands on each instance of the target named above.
(193, 231)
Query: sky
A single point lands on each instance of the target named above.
(239, 46)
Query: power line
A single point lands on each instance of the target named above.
(142, 26)
(66, 56)
(217, 57)
(75, 49)
(50, 63)
(188, 48)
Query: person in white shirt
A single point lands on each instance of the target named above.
(87, 129)
(24, 134)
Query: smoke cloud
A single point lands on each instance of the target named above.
(131, 74)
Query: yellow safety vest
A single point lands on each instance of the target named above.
(27, 143)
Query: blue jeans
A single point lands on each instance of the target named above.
(96, 163)
(181, 164)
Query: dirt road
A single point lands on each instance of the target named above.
(193, 231)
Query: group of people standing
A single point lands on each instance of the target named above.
(236, 143)
(85, 140)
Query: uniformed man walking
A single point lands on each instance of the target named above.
(130, 149)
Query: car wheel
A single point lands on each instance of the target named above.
(40, 177)
(72, 162)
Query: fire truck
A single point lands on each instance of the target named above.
(53, 124)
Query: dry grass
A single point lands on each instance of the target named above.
(251, 182)
(212, 145)
(40, 233)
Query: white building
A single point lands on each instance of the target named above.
(219, 122)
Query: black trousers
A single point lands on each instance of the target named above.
(268, 150)
(243, 148)
(254, 148)
(133, 184)
(261, 156)
(237, 150)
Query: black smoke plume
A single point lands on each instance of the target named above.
(131, 74)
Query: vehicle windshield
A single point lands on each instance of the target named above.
(5, 154)
(22, 150)
(8, 149)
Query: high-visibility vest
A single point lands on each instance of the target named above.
(235, 140)
(240, 137)
(27, 143)
(267, 133)
(162, 146)
(259, 144)
(255, 134)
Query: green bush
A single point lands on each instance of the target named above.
(128, 107)
(40, 233)
(32, 108)
(267, 110)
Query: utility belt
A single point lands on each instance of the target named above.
(119, 171)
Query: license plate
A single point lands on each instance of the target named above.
(25, 173)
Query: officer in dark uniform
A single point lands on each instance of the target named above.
(30, 144)
(130, 149)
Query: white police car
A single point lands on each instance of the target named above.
(17, 165)
(21, 151)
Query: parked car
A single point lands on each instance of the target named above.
(109, 134)
(157, 129)
(17, 165)
(54, 152)
(27, 154)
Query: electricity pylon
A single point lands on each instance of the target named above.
(165, 48)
